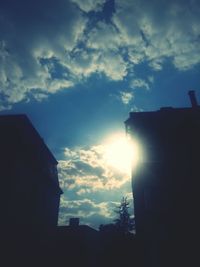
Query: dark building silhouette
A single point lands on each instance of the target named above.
(165, 184)
(30, 191)
(76, 245)
(84, 246)
(118, 247)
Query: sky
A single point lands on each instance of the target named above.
(78, 67)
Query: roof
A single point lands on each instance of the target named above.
(80, 228)
(164, 120)
(18, 128)
(81, 232)
(163, 113)
(167, 133)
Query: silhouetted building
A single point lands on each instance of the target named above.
(84, 246)
(74, 222)
(76, 245)
(118, 247)
(165, 184)
(30, 191)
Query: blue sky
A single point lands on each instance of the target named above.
(77, 68)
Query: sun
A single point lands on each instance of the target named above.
(121, 153)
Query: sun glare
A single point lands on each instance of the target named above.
(121, 153)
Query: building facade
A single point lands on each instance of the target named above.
(165, 184)
(30, 192)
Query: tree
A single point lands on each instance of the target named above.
(124, 222)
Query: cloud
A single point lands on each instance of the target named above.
(34, 38)
(92, 188)
(155, 30)
(104, 37)
(89, 212)
(88, 207)
(3, 107)
(151, 79)
(47, 46)
(139, 83)
(86, 171)
(136, 109)
(90, 5)
(83, 64)
(126, 97)
(114, 66)
(156, 64)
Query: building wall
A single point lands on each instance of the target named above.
(165, 186)
(30, 193)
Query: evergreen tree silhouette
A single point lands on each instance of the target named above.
(124, 222)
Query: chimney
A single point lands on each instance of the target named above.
(74, 222)
(193, 99)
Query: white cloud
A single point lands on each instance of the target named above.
(113, 65)
(136, 109)
(156, 64)
(186, 61)
(81, 63)
(155, 30)
(40, 96)
(34, 44)
(90, 212)
(89, 5)
(125, 19)
(87, 207)
(139, 83)
(151, 79)
(136, 54)
(52, 34)
(92, 188)
(126, 97)
(104, 37)
(58, 84)
(87, 169)
(3, 107)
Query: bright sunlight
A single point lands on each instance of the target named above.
(121, 152)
